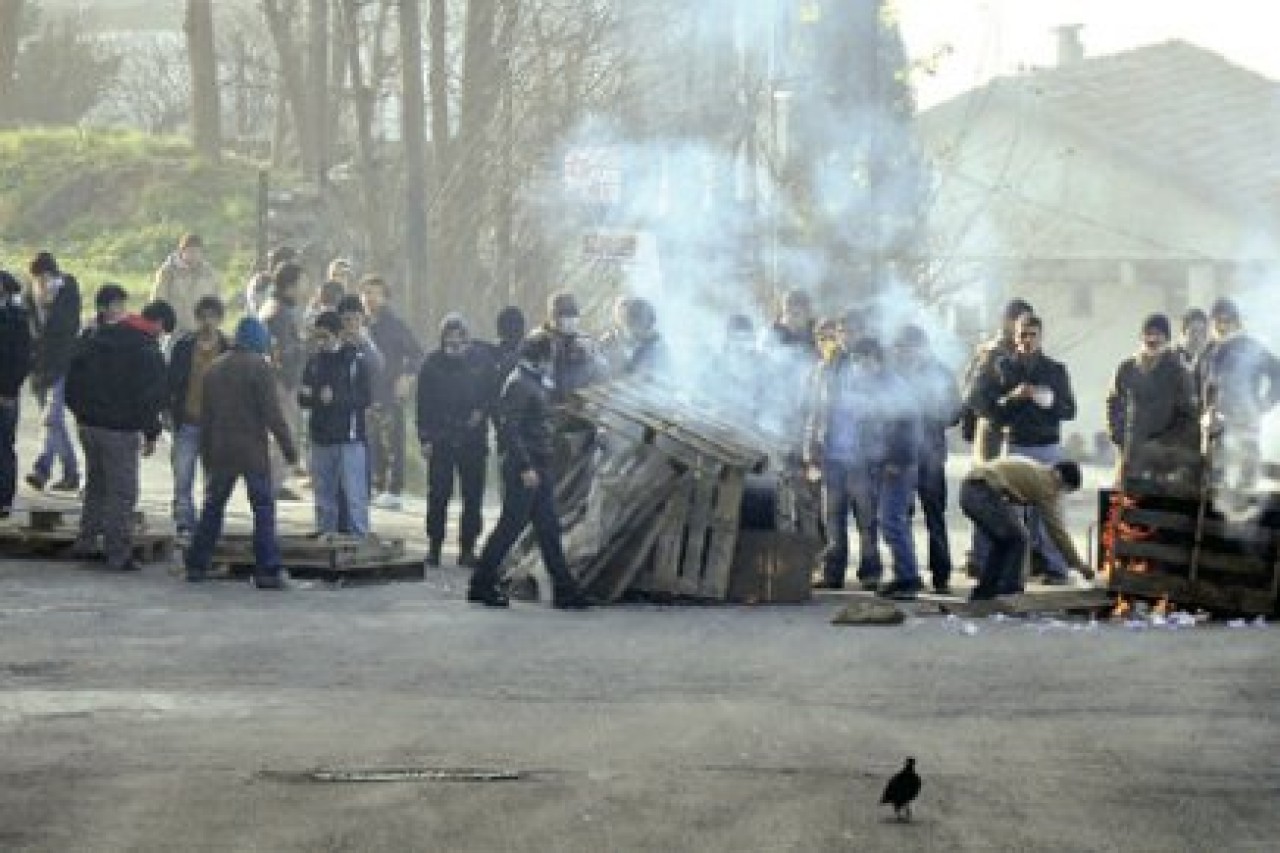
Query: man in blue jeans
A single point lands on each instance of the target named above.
(239, 412)
(192, 356)
(53, 302)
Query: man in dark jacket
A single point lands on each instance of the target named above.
(1027, 396)
(1239, 382)
(984, 434)
(525, 440)
(116, 388)
(938, 397)
(510, 326)
(576, 358)
(239, 413)
(15, 364)
(337, 388)
(457, 391)
(401, 356)
(189, 361)
(633, 346)
(53, 305)
(1151, 416)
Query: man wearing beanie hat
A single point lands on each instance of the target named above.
(336, 391)
(116, 387)
(1151, 416)
(239, 413)
(53, 303)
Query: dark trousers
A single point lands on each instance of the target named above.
(851, 486)
(1001, 571)
(520, 507)
(110, 491)
(386, 447)
(217, 491)
(931, 488)
(466, 463)
(9, 409)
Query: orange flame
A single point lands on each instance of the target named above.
(1121, 609)
(1163, 607)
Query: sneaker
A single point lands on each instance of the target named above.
(387, 500)
(67, 484)
(828, 583)
(270, 580)
(287, 494)
(5, 512)
(1056, 580)
(870, 584)
(941, 588)
(899, 590)
(492, 597)
(36, 480)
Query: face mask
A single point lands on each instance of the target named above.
(567, 325)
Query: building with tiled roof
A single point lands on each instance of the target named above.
(1103, 189)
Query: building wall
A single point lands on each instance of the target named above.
(1094, 241)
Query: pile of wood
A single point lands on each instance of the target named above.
(331, 558)
(1206, 547)
(652, 503)
(50, 532)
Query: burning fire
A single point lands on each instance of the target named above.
(1116, 530)
(1163, 607)
(1122, 609)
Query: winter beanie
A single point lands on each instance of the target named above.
(252, 335)
(1157, 323)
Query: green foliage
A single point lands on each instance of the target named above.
(112, 205)
(60, 75)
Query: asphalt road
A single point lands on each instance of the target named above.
(138, 713)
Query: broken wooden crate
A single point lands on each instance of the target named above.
(654, 504)
(50, 532)
(1158, 541)
(330, 557)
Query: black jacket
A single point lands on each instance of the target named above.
(346, 372)
(525, 427)
(15, 347)
(180, 358)
(450, 390)
(1154, 404)
(54, 328)
(401, 353)
(116, 378)
(1028, 423)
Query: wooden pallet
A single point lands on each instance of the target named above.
(335, 554)
(24, 542)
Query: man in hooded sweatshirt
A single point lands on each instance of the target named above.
(457, 391)
(116, 388)
(239, 413)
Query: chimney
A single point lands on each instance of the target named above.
(1070, 46)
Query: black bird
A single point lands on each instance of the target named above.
(902, 789)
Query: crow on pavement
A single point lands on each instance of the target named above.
(902, 789)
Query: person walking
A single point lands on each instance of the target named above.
(336, 391)
(184, 279)
(239, 415)
(189, 362)
(15, 365)
(457, 391)
(116, 388)
(53, 305)
(393, 385)
(525, 440)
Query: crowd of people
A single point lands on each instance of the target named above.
(332, 377)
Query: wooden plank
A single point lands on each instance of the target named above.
(724, 532)
(1243, 534)
(693, 577)
(56, 544)
(666, 559)
(1180, 555)
(1202, 593)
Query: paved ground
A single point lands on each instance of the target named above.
(138, 713)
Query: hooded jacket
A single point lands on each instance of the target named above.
(54, 327)
(241, 408)
(450, 389)
(116, 378)
(346, 372)
(182, 286)
(15, 346)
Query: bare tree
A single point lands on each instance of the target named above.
(280, 15)
(11, 13)
(206, 104)
(413, 120)
(316, 128)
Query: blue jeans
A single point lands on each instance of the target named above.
(340, 472)
(9, 410)
(897, 493)
(57, 437)
(851, 487)
(217, 491)
(1055, 563)
(185, 455)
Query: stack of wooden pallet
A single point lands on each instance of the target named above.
(49, 532)
(330, 558)
(653, 504)
(1169, 539)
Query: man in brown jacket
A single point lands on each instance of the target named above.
(992, 495)
(240, 410)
